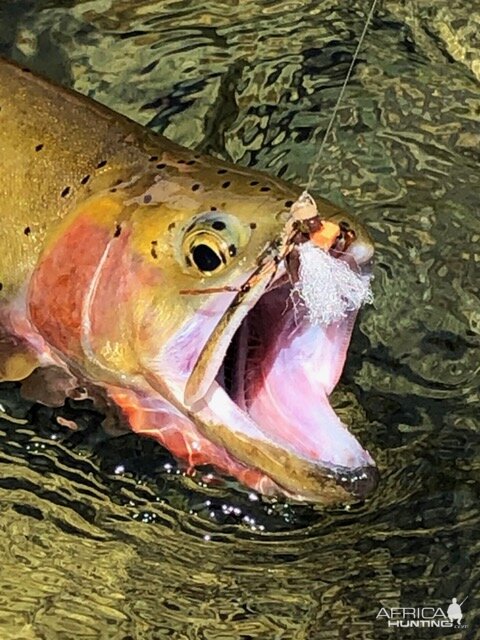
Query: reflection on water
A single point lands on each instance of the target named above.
(106, 539)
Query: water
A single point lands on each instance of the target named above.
(106, 539)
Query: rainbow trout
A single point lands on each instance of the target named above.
(109, 234)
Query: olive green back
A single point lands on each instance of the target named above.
(56, 146)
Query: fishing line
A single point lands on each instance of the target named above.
(316, 162)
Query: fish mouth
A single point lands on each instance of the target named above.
(268, 403)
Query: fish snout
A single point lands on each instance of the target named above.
(354, 244)
(360, 253)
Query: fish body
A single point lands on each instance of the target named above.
(109, 233)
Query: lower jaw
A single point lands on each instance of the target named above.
(256, 461)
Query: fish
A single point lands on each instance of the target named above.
(139, 269)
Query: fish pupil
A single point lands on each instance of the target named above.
(205, 258)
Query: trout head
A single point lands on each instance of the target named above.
(158, 303)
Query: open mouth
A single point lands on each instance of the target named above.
(279, 369)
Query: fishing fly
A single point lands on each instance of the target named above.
(328, 287)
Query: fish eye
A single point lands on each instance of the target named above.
(205, 251)
(211, 241)
(205, 258)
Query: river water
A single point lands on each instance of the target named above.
(107, 539)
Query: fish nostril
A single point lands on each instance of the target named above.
(360, 482)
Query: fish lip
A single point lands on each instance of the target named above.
(359, 482)
(342, 484)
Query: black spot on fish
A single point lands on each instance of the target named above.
(27, 231)
(213, 208)
(171, 226)
(147, 198)
(195, 187)
(39, 147)
(218, 225)
(265, 189)
(254, 183)
(221, 171)
(65, 192)
(288, 203)
(153, 251)
(1, 286)
(225, 185)
(85, 179)
(180, 161)
(190, 227)
(190, 162)
(154, 242)
(113, 190)
(101, 164)
(161, 165)
(253, 225)
(153, 158)
(232, 250)
(118, 231)
(25, 70)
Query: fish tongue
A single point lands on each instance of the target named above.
(292, 368)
